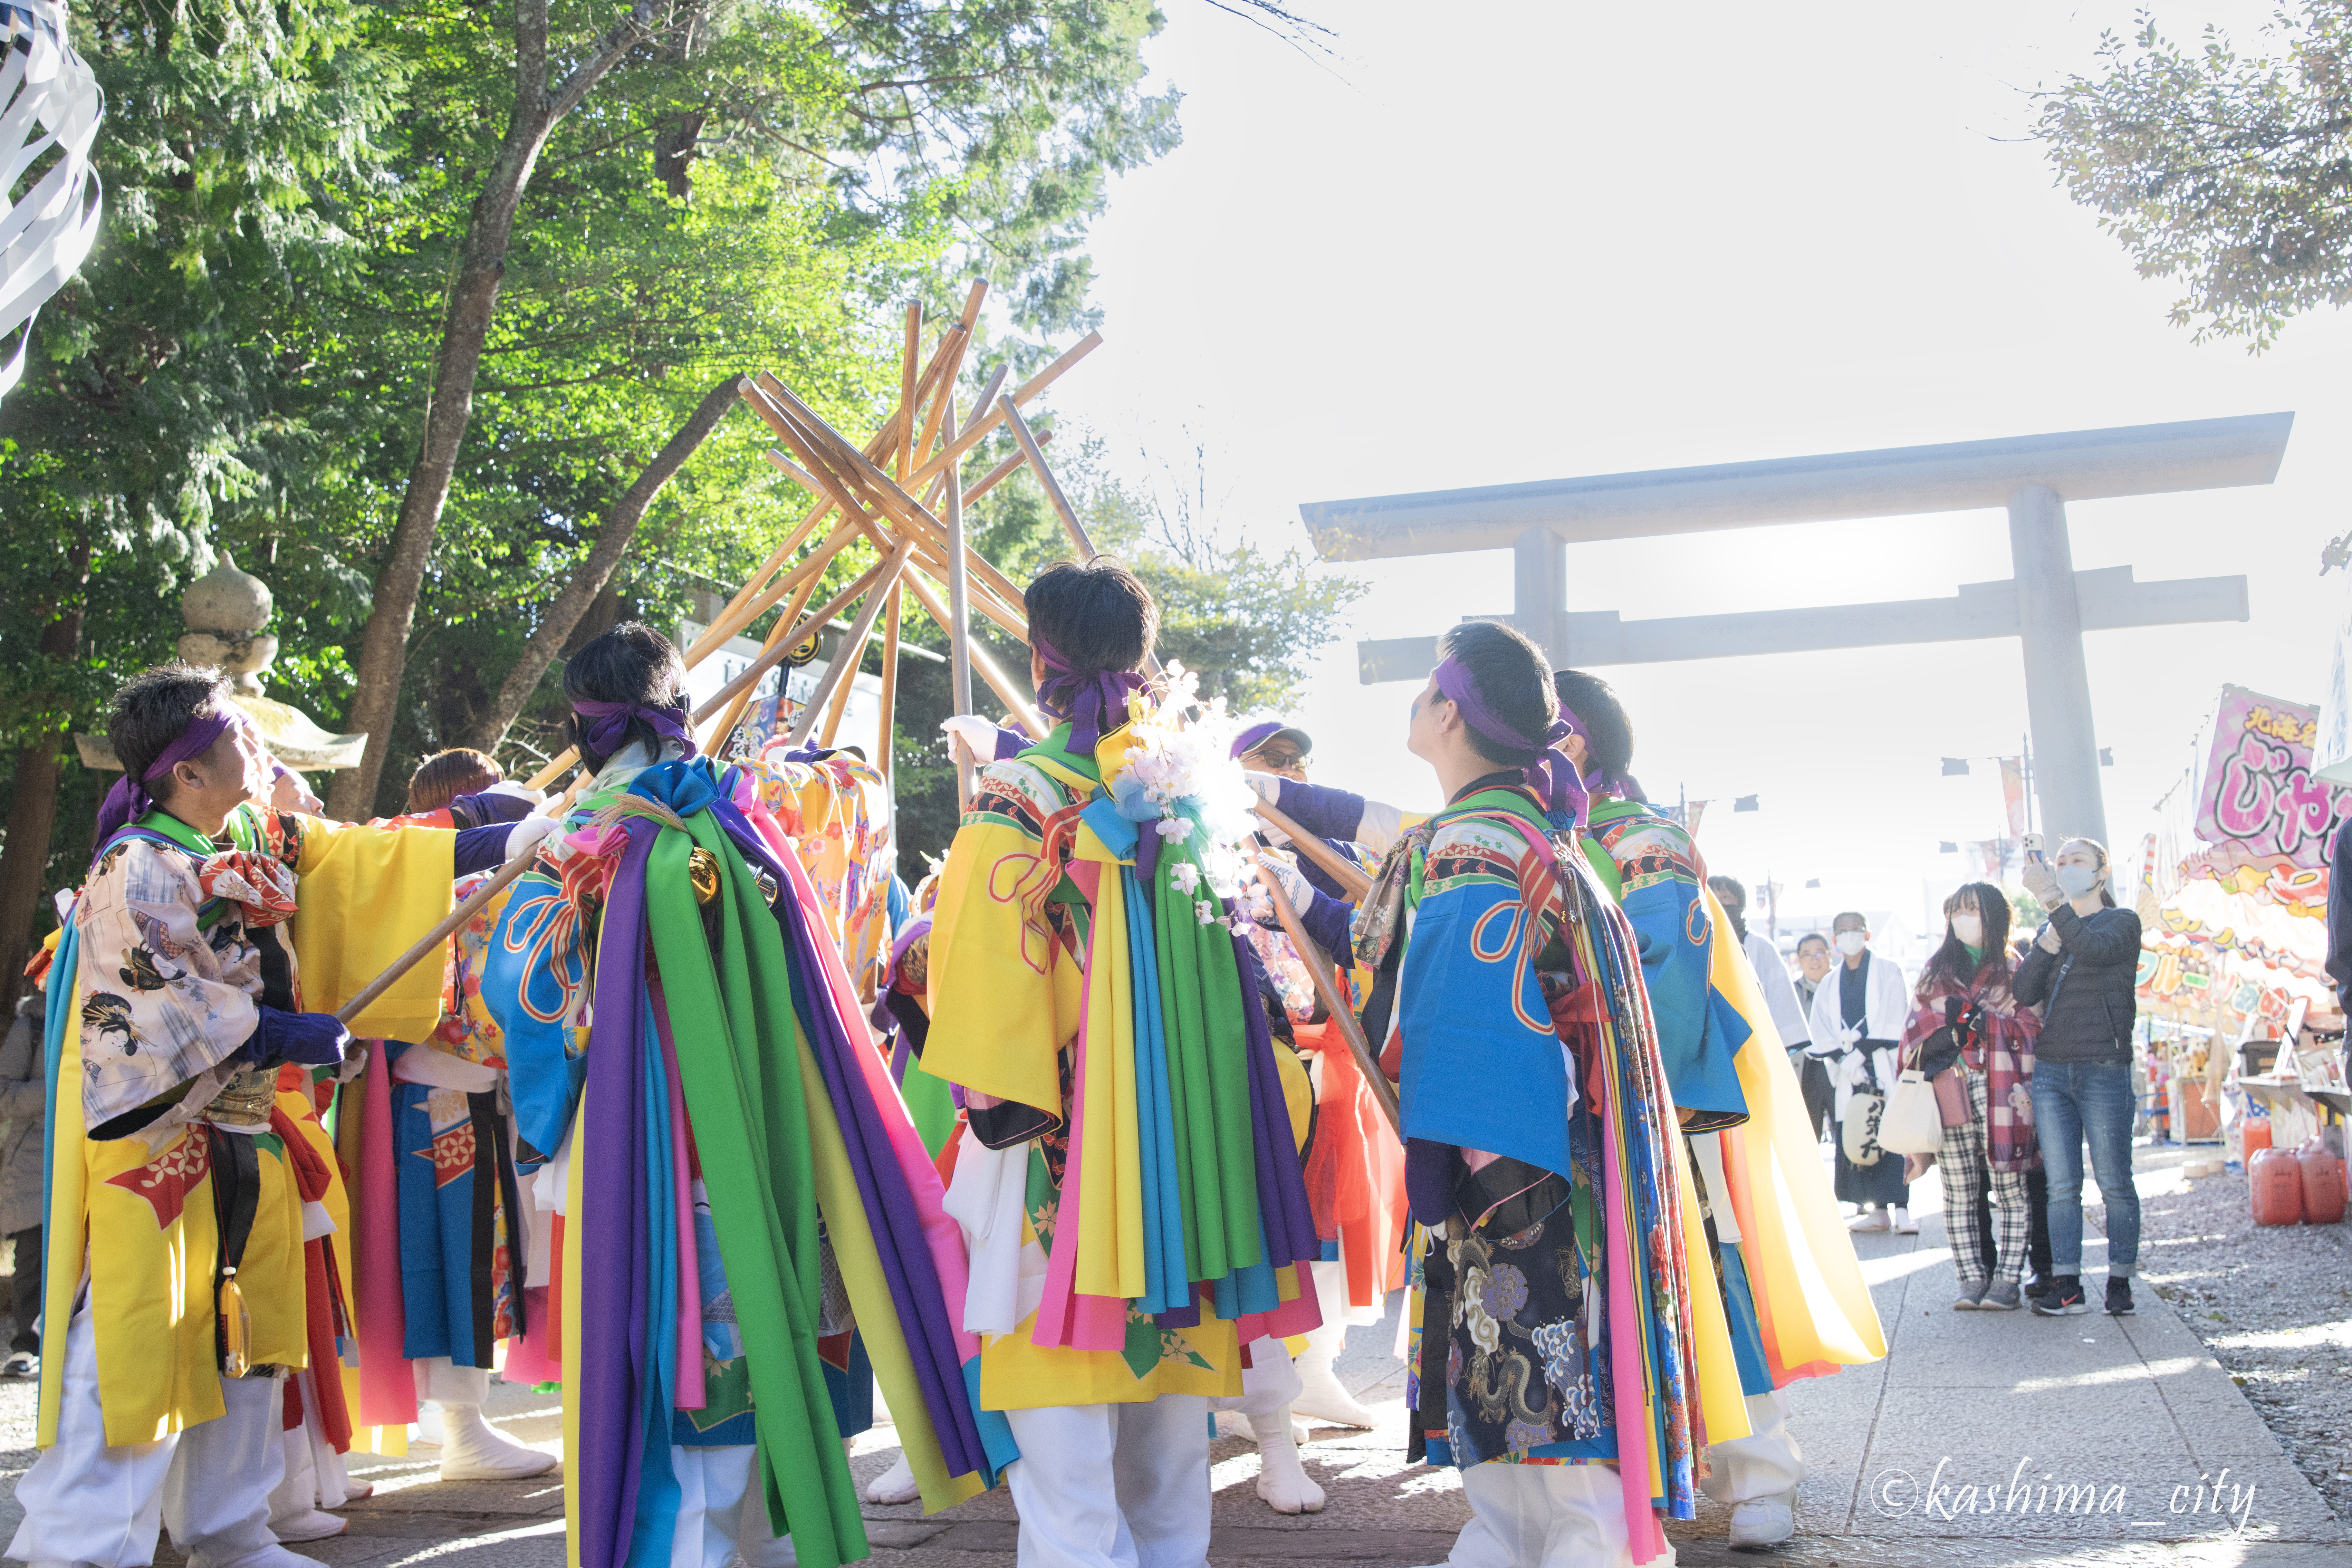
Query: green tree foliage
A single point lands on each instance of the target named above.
(2226, 171)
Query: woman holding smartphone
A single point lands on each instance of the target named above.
(2079, 971)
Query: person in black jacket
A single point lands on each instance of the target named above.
(2081, 972)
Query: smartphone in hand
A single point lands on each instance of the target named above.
(2033, 847)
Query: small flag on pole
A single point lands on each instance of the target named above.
(1946, 847)
(2107, 756)
(1955, 766)
(1814, 883)
(1744, 803)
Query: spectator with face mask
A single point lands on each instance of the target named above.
(1814, 961)
(1857, 1027)
(2081, 972)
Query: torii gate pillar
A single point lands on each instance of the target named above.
(2057, 679)
(2048, 605)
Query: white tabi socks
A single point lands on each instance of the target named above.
(474, 1450)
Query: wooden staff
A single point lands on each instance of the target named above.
(907, 376)
(431, 942)
(890, 674)
(853, 649)
(959, 618)
(1326, 990)
(1069, 516)
(1343, 870)
(998, 683)
(828, 455)
(1028, 390)
(1052, 487)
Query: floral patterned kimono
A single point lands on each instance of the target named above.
(174, 941)
(1554, 1300)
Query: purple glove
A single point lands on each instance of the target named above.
(313, 1040)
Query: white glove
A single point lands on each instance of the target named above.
(519, 791)
(2048, 941)
(976, 734)
(524, 841)
(1295, 886)
(2041, 883)
(1269, 786)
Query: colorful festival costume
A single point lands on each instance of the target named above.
(739, 1178)
(179, 1167)
(1542, 1159)
(1128, 1183)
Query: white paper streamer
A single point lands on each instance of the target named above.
(48, 98)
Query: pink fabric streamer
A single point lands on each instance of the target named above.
(1303, 1313)
(1066, 1317)
(690, 1393)
(387, 1382)
(1642, 1533)
(942, 1236)
(527, 1358)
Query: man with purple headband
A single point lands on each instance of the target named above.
(175, 1292)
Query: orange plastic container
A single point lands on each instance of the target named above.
(2253, 1133)
(2323, 1184)
(2275, 1180)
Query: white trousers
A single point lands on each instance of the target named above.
(1544, 1516)
(315, 1476)
(1269, 1383)
(1113, 1486)
(87, 1503)
(1765, 1462)
(722, 1511)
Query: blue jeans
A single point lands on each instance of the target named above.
(2075, 1102)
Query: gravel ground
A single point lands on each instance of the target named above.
(2274, 1303)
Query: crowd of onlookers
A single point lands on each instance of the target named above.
(2025, 1038)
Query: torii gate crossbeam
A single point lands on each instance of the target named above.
(2048, 605)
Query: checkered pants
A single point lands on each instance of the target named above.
(1966, 1173)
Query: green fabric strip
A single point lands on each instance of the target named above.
(731, 1019)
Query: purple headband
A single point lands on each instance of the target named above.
(1552, 775)
(1092, 703)
(612, 724)
(1623, 785)
(127, 801)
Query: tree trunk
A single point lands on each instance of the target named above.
(33, 809)
(554, 628)
(465, 328)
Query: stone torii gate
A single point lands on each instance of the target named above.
(2048, 605)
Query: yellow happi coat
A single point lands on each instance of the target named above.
(167, 981)
(1007, 978)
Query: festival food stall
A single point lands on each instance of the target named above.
(2243, 1022)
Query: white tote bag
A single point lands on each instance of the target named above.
(1913, 1122)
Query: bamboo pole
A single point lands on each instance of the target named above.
(1343, 870)
(1326, 990)
(855, 472)
(1052, 487)
(1006, 692)
(432, 941)
(979, 428)
(844, 659)
(891, 617)
(960, 620)
(952, 347)
(907, 375)
(711, 738)
(1076, 529)
(943, 402)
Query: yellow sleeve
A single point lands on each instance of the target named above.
(995, 1022)
(366, 895)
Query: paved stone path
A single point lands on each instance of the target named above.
(1984, 1440)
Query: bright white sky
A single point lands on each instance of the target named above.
(1521, 241)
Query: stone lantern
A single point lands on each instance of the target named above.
(226, 610)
